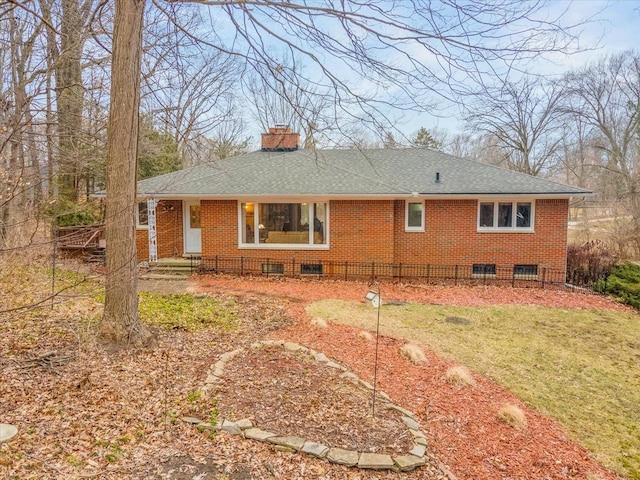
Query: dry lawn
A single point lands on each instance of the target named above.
(580, 366)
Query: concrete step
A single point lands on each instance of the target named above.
(175, 262)
(177, 268)
(162, 276)
(173, 266)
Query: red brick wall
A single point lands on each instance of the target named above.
(358, 231)
(361, 231)
(142, 244)
(169, 231)
(219, 220)
(451, 237)
(373, 231)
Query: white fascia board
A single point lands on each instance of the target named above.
(398, 196)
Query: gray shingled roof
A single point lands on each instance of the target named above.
(383, 172)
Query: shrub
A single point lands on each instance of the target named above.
(624, 283)
(68, 214)
(588, 263)
(81, 217)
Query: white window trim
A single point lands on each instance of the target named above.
(407, 228)
(283, 246)
(514, 202)
(139, 226)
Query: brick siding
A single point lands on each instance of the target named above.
(451, 237)
(374, 231)
(219, 227)
(169, 231)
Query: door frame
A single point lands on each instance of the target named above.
(186, 225)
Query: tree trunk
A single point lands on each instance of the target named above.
(120, 320)
(70, 97)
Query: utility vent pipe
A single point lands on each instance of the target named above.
(437, 177)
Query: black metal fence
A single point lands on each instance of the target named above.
(533, 276)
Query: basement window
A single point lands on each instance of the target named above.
(273, 268)
(484, 270)
(311, 269)
(525, 271)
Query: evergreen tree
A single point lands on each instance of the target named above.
(424, 139)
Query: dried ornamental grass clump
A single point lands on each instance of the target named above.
(318, 322)
(366, 336)
(460, 376)
(512, 415)
(413, 353)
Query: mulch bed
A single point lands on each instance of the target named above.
(460, 422)
(289, 393)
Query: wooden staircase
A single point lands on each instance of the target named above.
(85, 240)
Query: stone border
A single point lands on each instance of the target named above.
(415, 458)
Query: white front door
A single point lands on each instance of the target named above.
(192, 230)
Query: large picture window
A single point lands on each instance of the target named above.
(505, 216)
(290, 224)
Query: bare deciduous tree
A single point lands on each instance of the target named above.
(188, 89)
(120, 321)
(228, 140)
(66, 48)
(21, 182)
(369, 59)
(525, 120)
(287, 96)
(605, 96)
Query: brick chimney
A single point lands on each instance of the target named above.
(280, 139)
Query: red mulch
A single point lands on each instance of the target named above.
(461, 423)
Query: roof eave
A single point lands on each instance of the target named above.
(369, 196)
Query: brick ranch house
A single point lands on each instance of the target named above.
(315, 208)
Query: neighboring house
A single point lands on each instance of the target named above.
(389, 206)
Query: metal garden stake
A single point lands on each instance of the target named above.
(373, 295)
